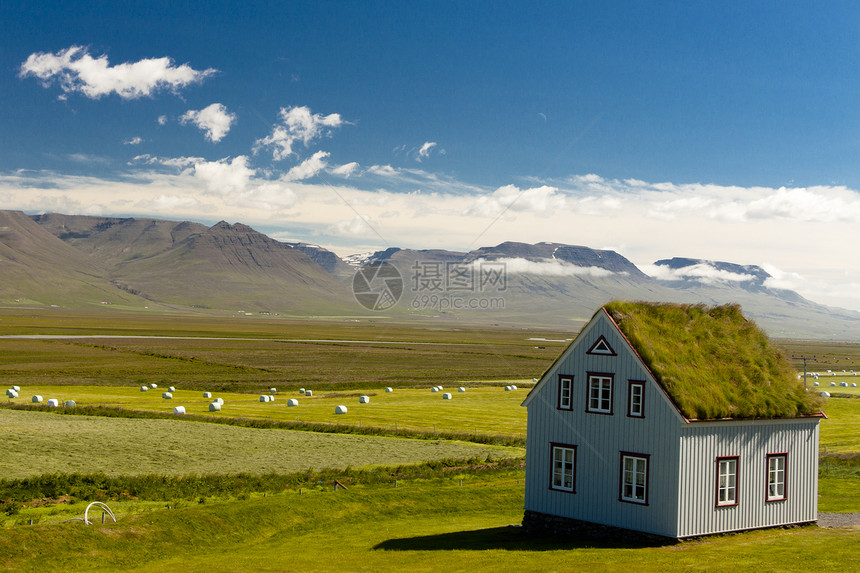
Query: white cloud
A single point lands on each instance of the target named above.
(214, 120)
(225, 176)
(546, 267)
(133, 141)
(297, 124)
(356, 226)
(345, 170)
(308, 168)
(76, 71)
(424, 151)
(780, 279)
(703, 272)
(169, 203)
(543, 200)
(162, 120)
(384, 170)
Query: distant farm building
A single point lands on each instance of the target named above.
(673, 420)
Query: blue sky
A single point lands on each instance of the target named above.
(725, 131)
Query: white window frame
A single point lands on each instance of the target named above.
(634, 478)
(563, 467)
(565, 392)
(727, 480)
(636, 390)
(777, 470)
(599, 397)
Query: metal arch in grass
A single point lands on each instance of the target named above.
(105, 510)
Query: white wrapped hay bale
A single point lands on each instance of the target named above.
(301, 390)
(264, 398)
(292, 402)
(434, 389)
(10, 393)
(825, 394)
(70, 404)
(167, 395)
(273, 390)
(815, 383)
(364, 399)
(16, 388)
(389, 390)
(507, 388)
(309, 392)
(144, 388)
(461, 389)
(215, 407)
(446, 396)
(854, 384)
(513, 386)
(340, 410)
(53, 402)
(153, 385)
(219, 400)
(271, 398)
(37, 399)
(207, 394)
(171, 389)
(833, 383)
(179, 410)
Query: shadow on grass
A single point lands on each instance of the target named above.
(511, 538)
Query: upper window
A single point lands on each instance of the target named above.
(634, 478)
(563, 467)
(636, 399)
(565, 392)
(599, 393)
(776, 465)
(727, 481)
(601, 347)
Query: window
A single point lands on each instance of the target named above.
(727, 481)
(599, 393)
(601, 347)
(563, 467)
(636, 399)
(776, 464)
(565, 392)
(634, 478)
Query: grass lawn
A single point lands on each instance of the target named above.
(432, 525)
(39, 443)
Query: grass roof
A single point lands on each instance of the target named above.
(712, 361)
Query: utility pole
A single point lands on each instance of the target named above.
(804, 358)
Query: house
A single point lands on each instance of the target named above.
(673, 420)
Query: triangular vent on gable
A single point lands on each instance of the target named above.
(601, 347)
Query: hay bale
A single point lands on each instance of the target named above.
(364, 399)
(309, 393)
(825, 394)
(37, 399)
(264, 398)
(16, 388)
(340, 410)
(273, 390)
(389, 390)
(11, 393)
(53, 402)
(171, 389)
(815, 383)
(167, 395)
(513, 386)
(215, 407)
(507, 388)
(69, 404)
(179, 410)
(434, 389)
(833, 383)
(854, 384)
(301, 390)
(461, 389)
(153, 385)
(219, 400)
(207, 394)
(446, 396)
(292, 402)
(144, 388)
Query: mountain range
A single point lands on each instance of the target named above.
(137, 263)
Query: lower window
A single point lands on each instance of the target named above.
(634, 478)
(727, 481)
(776, 465)
(563, 468)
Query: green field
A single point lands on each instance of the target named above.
(424, 524)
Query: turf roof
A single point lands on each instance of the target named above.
(712, 361)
